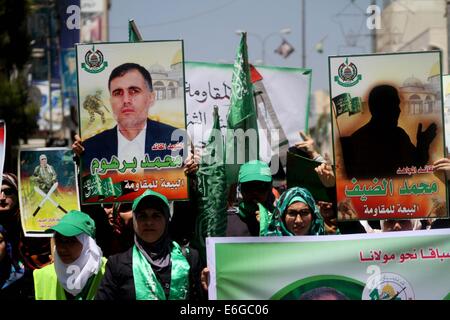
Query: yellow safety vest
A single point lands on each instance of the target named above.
(47, 286)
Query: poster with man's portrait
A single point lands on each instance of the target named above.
(48, 188)
(132, 120)
(388, 130)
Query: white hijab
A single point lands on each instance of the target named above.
(73, 277)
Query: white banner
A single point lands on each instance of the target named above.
(282, 101)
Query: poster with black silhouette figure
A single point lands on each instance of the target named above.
(388, 130)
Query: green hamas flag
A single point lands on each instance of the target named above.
(343, 103)
(110, 189)
(94, 186)
(242, 129)
(133, 32)
(212, 218)
(356, 106)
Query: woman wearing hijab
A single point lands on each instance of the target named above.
(78, 265)
(15, 280)
(9, 210)
(155, 268)
(33, 252)
(298, 213)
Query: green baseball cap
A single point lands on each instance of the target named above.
(155, 195)
(74, 223)
(255, 170)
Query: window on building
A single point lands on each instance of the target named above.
(160, 90)
(415, 104)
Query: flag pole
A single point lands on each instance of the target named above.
(335, 117)
(133, 33)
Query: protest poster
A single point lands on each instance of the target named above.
(409, 265)
(388, 130)
(48, 188)
(281, 100)
(132, 120)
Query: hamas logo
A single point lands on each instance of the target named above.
(94, 61)
(388, 286)
(347, 74)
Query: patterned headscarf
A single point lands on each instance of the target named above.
(11, 180)
(10, 219)
(317, 224)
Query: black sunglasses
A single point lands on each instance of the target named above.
(8, 191)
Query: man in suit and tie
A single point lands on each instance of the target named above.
(131, 96)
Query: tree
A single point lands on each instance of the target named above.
(16, 108)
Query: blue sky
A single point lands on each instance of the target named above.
(208, 28)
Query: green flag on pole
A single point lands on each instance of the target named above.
(212, 217)
(356, 106)
(343, 103)
(133, 32)
(242, 129)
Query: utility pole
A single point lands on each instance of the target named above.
(448, 35)
(303, 35)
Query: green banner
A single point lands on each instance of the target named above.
(410, 265)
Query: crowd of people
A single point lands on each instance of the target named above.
(135, 251)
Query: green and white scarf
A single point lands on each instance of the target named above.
(147, 285)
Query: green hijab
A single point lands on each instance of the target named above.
(303, 195)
